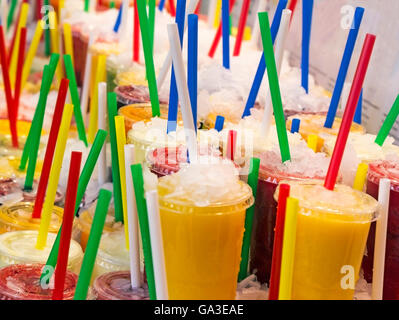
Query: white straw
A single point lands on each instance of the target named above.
(211, 13)
(168, 61)
(278, 52)
(133, 226)
(102, 114)
(92, 6)
(158, 256)
(4, 11)
(86, 82)
(123, 34)
(380, 240)
(182, 89)
(255, 37)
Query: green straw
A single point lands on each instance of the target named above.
(47, 44)
(149, 62)
(116, 179)
(84, 179)
(274, 86)
(11, 12)
(138, 183)
(151, 21)
(87, 5)
(249, 217)
(112, 4)
(388, 123)
(73, 88)
(86, 271)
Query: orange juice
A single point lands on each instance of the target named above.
(332, 230)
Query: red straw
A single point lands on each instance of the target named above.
(197, 10)
(172, 8)
(67, 221)
(7, 84)
(136, 34)
(349, 113)
(48, 158)
(14, 35)
(231, 144)
(241, 27)
(284, 192)
(38, 8)
(292, 7)
(218, 34)
(17, 92)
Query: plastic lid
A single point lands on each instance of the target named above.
(384, 169)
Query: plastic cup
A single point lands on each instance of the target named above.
(80, 43)
(136, 77)
(377, 171)
(117, 286)
(8, 186)
(19, 247)
(331, 235)
(30, 196)
(22, 282)
(6, 148)
(202, 243)
(132, 94)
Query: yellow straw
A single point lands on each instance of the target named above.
(68, 41)
(361, 175)
(14, 54)
(288, 253)
(121, 141)
(94, 60)
(100, 76)
(54, 176)
(31, 53)
(55, 46)
(60, 7)
(217, 13)
(312, 142)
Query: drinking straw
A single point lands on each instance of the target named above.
(151, 20)
(47, 44)
(173, 94)
(211, 12)
(55, 45)
(48, 157)
(87, 5)
(68, 43)
(192, 63)
(358, 114)
(86, 271)
(307, 12)
(361, 175)
(262, 65)
(292, 7)
(295, 124)
(31, 53)
(3, 12)
(249, 217)
(343, 69)
(121, 141)
(18, 81)
(84, 99)
(67, 222)
(124, 22)
(136, 33)
(255, 36)
(288, 252)
(158, 254)
(112, 4)
(218, 35)
(284, 192)
(102, 111)
(312, 142)
(161, 5)
(184, 97)
(118, 19)
(274, 86)
(219, 123)
(388, 123)
(241, 27)
(54, 177)
(100, 76)
(279, 52)
(149, 62)
(377, 288)
(73, 88)
(231, 144)
(10, 17)
(172, 8)
(132, 222)
(116, 178)
(138, 184)
(216, 20)
(347, 119)
(226, 33)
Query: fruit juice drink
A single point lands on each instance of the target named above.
(117, 286)
(132, 94)
(135, 75)
(202, 210)
(6, 148)
(331, 235)
(86, 220)
(314, 124)
(22, 282)
(19, 247)
(377, 171)
(304, 164)
(118, 65)
(30, 196)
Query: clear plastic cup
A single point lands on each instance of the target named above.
(331, 235)
(132, 94)
(6, 148)
(136, 77)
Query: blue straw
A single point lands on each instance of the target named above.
(307, 12)
(262, 64)
(295, 125)
(192, 62)
(173, 94)
(226, 33)
(118, 20)
(343, 69)
(161, 5)
(219, 123)
(358, 113)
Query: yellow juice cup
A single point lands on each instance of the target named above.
(332, 230)
(6, 148)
